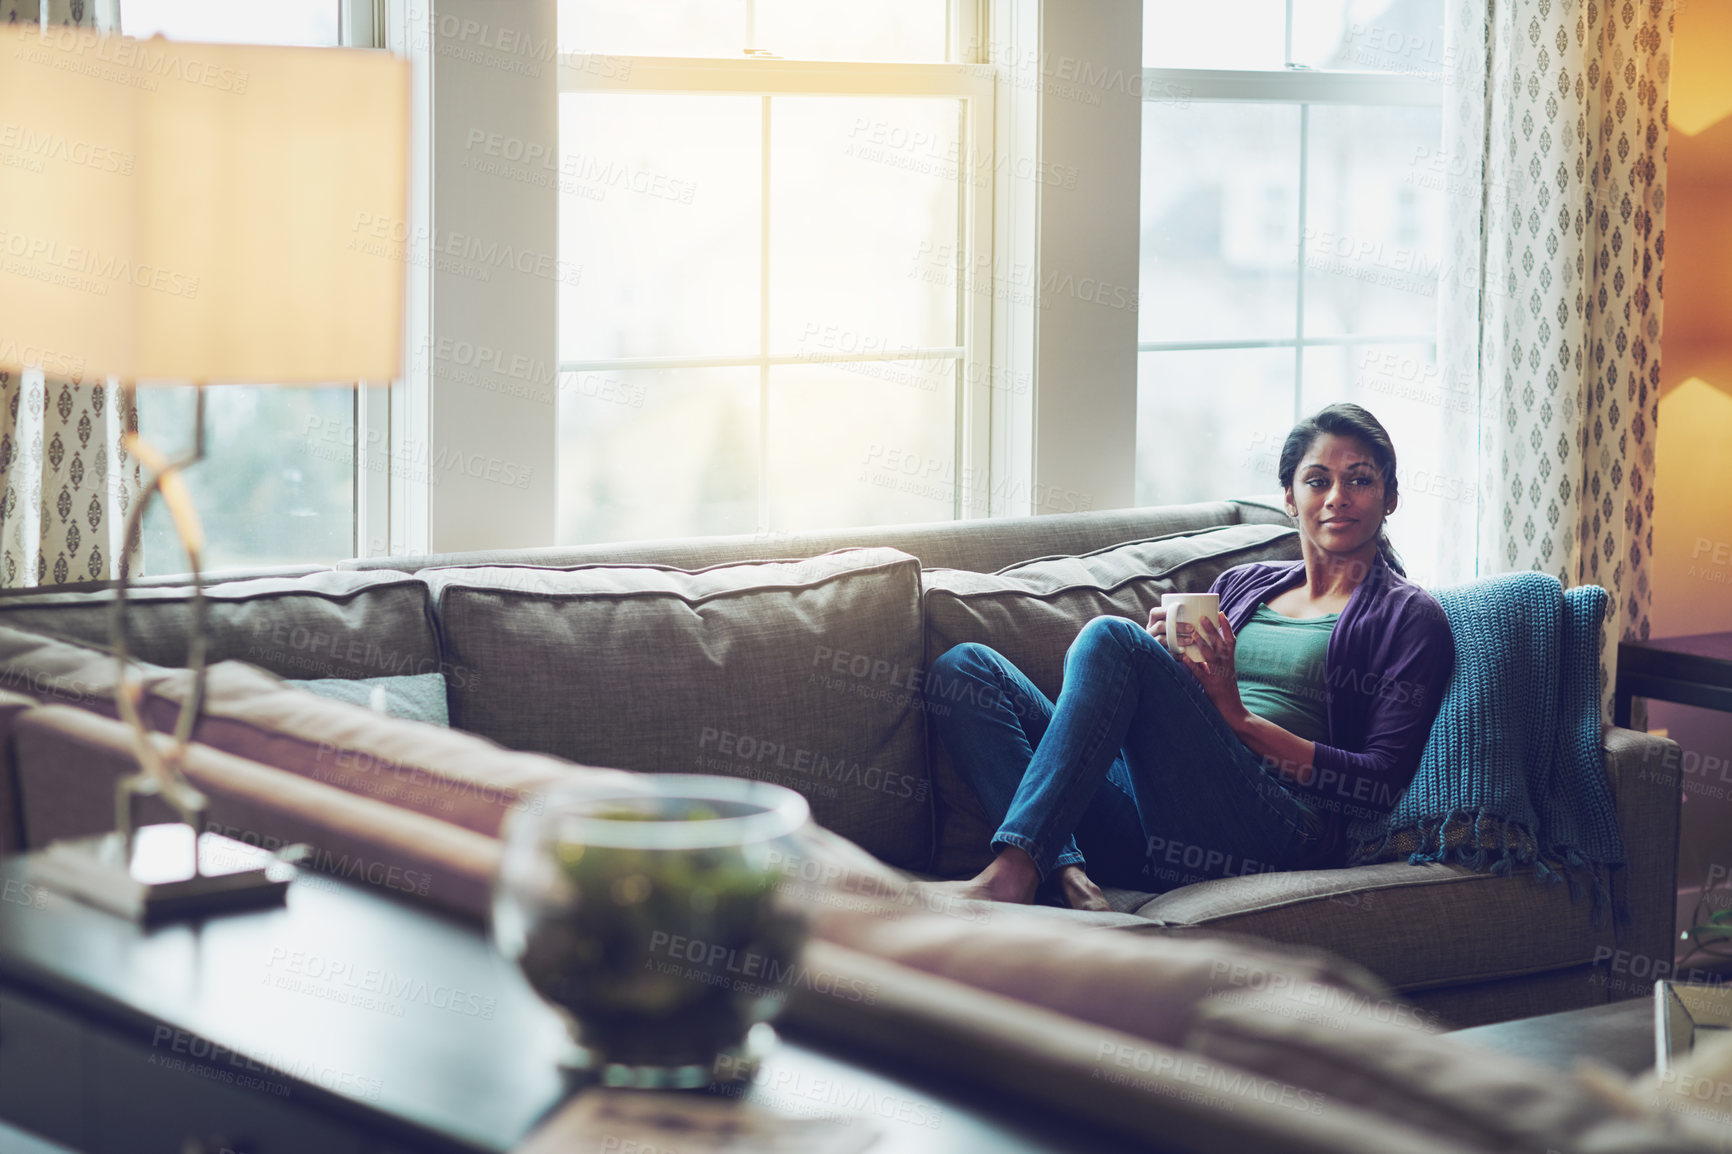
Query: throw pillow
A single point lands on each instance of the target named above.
(417, 697)
(328, 624)
(801, 673)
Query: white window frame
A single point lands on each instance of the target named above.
(1049, 416)
(1069, 422)
(394, 502)
(1070, 78)
(364, 24)
(972, 86)
(1052, 388)
(1303, 87)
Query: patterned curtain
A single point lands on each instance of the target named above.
(68, 480)
(1550, 306)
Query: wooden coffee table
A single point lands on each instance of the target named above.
(1694, 670)
(347, 1022)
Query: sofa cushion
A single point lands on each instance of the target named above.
(1031, 612)
(1414, 926)
(328, 624)
(796, 672)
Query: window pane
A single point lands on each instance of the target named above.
(276, 485)
(1210, 424)
(1374, 227)
(1411, 397)
(1369, 35)
(905, 30)
(1397, 378)
(657, 454)
(308, 22)
(1339, 35)
(658, 209)
(822, 29)
(653, 27)
(869, 443)
(1218, 34)
(1220, 223)
(860, 190)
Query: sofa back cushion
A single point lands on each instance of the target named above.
(327, 624)
(794, 672)
(984, 545)
(413, 696)
(1031, 612)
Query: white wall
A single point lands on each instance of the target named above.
(491, 441)
(1085, 348)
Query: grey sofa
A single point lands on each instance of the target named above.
(679, 655)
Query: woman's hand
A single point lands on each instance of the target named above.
(1287, 753)
(1157, 626)
(1216, 671)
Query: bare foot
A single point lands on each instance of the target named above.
(1080, 891)
(967, 889)
(1011, 877)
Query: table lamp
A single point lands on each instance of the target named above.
(193, 213)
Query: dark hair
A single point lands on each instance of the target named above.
(1344, 419)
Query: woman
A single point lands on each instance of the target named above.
(1315, 691)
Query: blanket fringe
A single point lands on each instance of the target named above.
(1486, 843)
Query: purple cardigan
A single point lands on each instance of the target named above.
(1389, 660)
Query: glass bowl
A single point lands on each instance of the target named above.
(648, 915)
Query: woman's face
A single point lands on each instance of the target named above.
(1338, 496)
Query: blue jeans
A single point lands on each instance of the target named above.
(1134, 764)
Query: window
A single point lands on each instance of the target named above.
(1291, 239)
(771, 325)
(277, 482)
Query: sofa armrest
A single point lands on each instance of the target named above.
(1645, 774)
(69, 760)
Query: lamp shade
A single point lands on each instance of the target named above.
(205, 212)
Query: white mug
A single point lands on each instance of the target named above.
(1187, 609)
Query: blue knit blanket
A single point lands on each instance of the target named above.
(1513, 774)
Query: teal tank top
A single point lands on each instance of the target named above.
(1280, 664)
